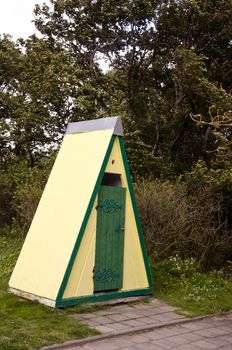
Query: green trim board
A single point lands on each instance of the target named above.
(102, 297)
(138, 224)
(108, 295)
(85, 221)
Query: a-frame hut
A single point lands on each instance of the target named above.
(85, 242)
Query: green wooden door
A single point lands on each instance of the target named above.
(108, 270)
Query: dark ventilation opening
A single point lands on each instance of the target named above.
(110, 179)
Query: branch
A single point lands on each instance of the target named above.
(157, 139)
(174, 142)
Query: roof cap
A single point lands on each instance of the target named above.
(114, 123)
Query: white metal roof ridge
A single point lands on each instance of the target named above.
(114, 123)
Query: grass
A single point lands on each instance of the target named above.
(86, 308)
(180, 283)
(28, 325)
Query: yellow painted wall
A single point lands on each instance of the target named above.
(81, 278)
(80, 282)
(46, 252)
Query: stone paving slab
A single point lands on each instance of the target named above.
(178, 337)
(130, 317)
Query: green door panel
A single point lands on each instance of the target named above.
(108, 270)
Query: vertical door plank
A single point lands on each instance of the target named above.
(108, 271)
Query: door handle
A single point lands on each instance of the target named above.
(119, 228)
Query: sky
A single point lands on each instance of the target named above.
(16, 17)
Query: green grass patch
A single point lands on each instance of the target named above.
(28, 325)
(180, 283)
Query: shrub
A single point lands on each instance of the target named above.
(20, 190)
(191, 225)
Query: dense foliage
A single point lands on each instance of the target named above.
(168, 76)
(191, 225)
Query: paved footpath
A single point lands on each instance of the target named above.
(128, 317)
(211, 333)
(152, 325)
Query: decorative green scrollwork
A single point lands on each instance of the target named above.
(108, 205)
(106, 275)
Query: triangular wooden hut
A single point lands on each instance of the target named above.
(85, 241)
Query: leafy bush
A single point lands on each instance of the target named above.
(21, 187)
(218, 180)
(13, 230)
(192, 225)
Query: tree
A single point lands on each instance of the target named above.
(39, 87)
(168, 59)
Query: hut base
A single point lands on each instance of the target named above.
(33, 297)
